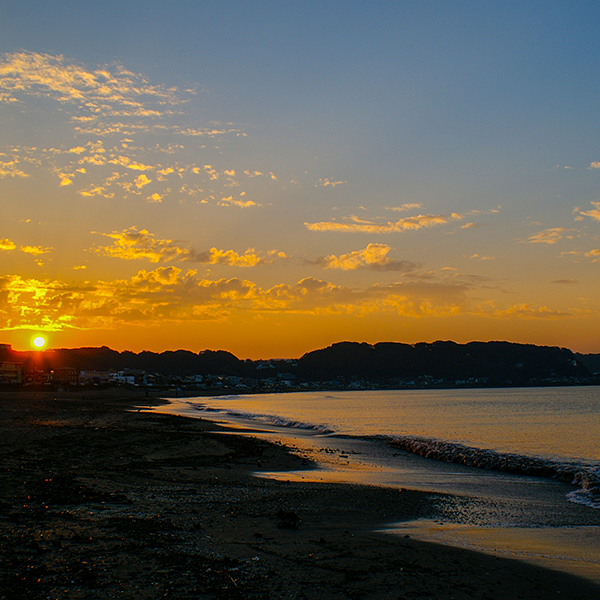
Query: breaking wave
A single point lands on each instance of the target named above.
(264, 419)
(586, 477)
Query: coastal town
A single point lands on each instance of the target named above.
(48, 370)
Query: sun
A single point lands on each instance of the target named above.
(39, 342)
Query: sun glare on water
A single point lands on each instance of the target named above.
(39, 342)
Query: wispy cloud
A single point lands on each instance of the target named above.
(528, 311)
(549, 236)
(110, 90)
(357, 225)
(374, 257)
(593, 254)
(252, 174)
(240, 203)
(593, 213)
(97, 97)
(474, 225)
(403, 207)
(328, 183)
(10, 168)
(35, 251)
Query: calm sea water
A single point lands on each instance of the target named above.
(559, 423)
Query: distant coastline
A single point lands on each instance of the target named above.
(344, 365)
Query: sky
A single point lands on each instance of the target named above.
(272, 177)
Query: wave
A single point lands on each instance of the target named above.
(263, 418)
(586, 477)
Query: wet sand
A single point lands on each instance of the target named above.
(98, 500)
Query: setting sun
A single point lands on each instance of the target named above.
(39, 342)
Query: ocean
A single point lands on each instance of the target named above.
(521, 466)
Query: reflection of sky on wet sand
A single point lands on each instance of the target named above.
(489, 522)
(574, 550)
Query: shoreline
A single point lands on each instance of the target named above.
(532, 522)
(100, 500)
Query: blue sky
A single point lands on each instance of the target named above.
(406, 171)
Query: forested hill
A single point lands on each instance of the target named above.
(492, 363)
(178, 362)
(388, 364)
(591, 361)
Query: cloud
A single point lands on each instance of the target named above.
(594, 213)
(141, 181)
(110, 89)
(95, 159)
(363, 226)
(31, 302)
(229, 201)
(8, 168)
(594, 254)
(548, 236)
(132, 244)
(169, 294)
(97, 190)
(479, 257)
(7, 244)
(211, 171)
(564, 281)
(594, 165)
(228, 257)
(328, 183)
(110, 111)
(139, 167)
(270, 175)
(374, 257)
(403, 207)
(161, 175)
(120, 160)
(474, 225)
(35, 250)
(108, 99)
(529, 311)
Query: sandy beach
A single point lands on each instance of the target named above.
(101, 500)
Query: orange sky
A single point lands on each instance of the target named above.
(271, 186)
